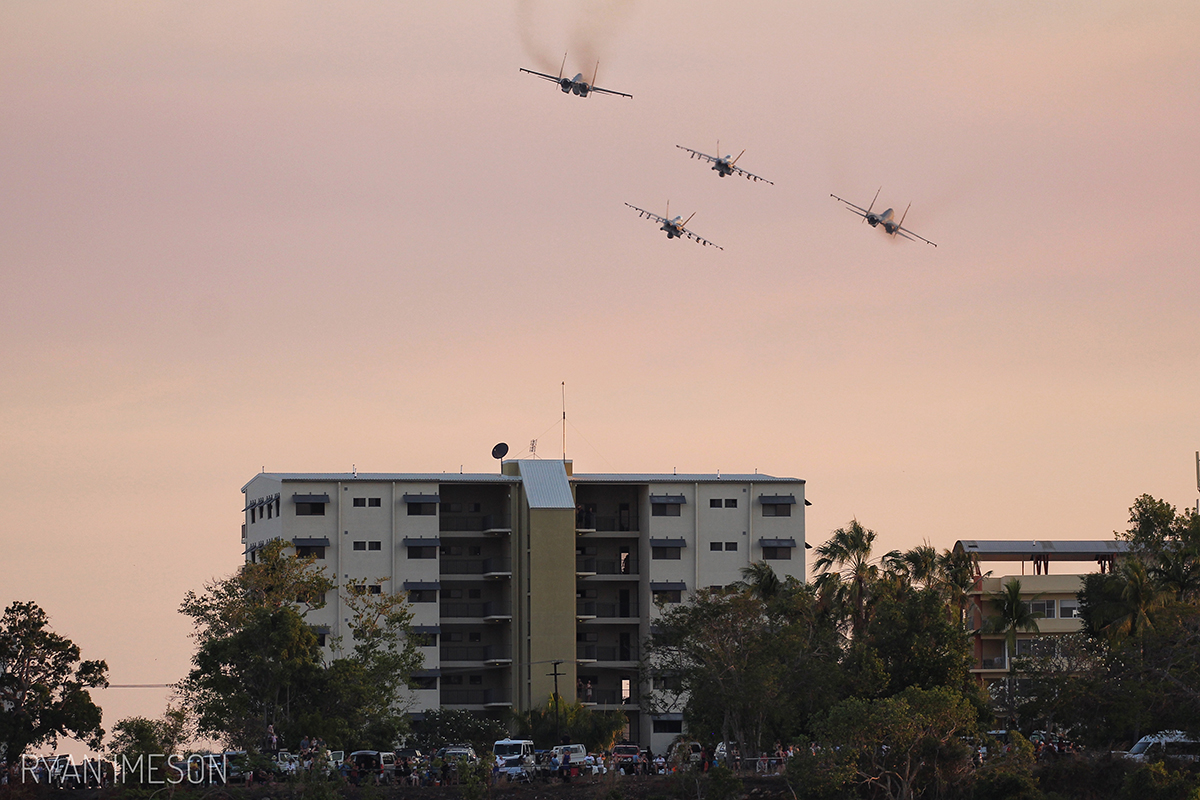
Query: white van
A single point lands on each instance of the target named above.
(514, 757)
(1168, 744)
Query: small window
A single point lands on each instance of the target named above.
(304, 551)
(424, 639)
(474, 594)
(731, 502)
(475, 680)
(360, 545)
(668, 726)
(665, 510)
(714, 503)
(374, 545)
(451, 550)
(475, 550)
(1068, 609)
(310, 509)
(1043, 607)
(474, 636)
(422, 552)
(420, 509)
(321, 639)
(777, 554)
(666, 553)
(715, 547)
(422, 596)
(474, 508)
(587, 637)
(375, 502)
(452, 594)
(777, 509)
(452, 680)
(425, 682)
(375, 588)
(668, 596)
(453, 636)
(269, 508)
(360, 502)
(731, 547)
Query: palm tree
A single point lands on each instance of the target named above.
(1012, 614)
(846, 560)
(1140, 597)
(761, 580)
(957, 573)
(1177, 569)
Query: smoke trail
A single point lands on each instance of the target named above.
(592, 24)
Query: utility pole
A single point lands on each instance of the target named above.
(556, 673)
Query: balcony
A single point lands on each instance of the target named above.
(599, 653)
(587, 566)
(609, 697)
(487, 567)
(476, 697)
(475, 523)
(595, 609)
(999, 662)
(489, 611)
(489, 654)
(590, 522)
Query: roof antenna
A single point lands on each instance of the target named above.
(354, 470)
(564, 407)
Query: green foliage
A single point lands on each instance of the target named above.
(44, 685)
(906, 744)
(826, 774)
(445, 726)
(722, 784)
(917, 642)
(595, 730)
(135, 737)
(475, 779)
(1157, 782)
(258, 661)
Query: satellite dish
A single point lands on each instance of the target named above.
(500, 450)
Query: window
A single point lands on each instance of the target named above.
(420, 509)
(777, 554)
(474, 594)
(451, 508)
(425, 682)
(360, 502)
(310, 509)
(587, 637)
(269, 508)
(321, 639)
(731, 502)
(374, 545)
(475, 550)
(422, 552)
(1068, 609)
(305, 551)
(474, 636)
(375, 588)
(714, 503)
(360, 545)
(375, 502)
(452, 680)
(1043, 607)
(668, 726)
(452, 594)
(668, 596)
(731, 547)
(665, 510)
(475, 680)
(424, 639)
(453, 636)
(422, 596)
(715, 547)
(667, 553)
(671, 683)
(451, 550)
(777, 509)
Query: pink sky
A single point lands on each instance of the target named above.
(305, 236)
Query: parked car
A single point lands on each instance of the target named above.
(455, 752)
(626, 755)
(372, 765)
(689, 752)
(514, 757)
(1168, 744)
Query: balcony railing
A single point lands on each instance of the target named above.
(462, 523)
(609, 697)
(601, 652)
(484, 609)
(476, 697)
(999, 662)
(475, 566)
(603, 610)
(475, 652)
(588, 521)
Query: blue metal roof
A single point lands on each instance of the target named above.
(546, 484)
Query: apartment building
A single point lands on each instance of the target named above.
(1052, 596)
(516, 576)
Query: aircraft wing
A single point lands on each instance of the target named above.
(699, 239)
(912, 237)
(540, 75)
(752, 176)
(611, 91)
(698, 154)
(644, 213)
(862, 212)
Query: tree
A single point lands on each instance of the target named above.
(597, 730)
(44, 684)
(1012, 614)
(136, 738)
(847, 572)
(444, 726)
(258, 661)
(904, 745)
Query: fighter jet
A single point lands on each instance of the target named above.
(887, 219)
(724, 166)
(674, 228)
(576, 85)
